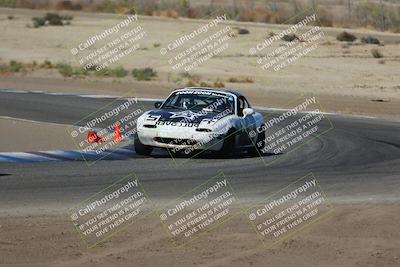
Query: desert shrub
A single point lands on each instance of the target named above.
(370, 40)
(92, 67)
(376, 53)
(243, 31)
(346, 37)
(247, 80)
(15, 66)
(38, 22)
(155, 45)
(219, 84)
(192, 13)
(80, 72)
(205, 84)
(185, 74)
(65, 70)
(290, 37)
(67, 17)
(104, 72)
(327, 43)
(144, 74)
(190, 83)
(119, 72)
(53, 19)
(10, 17)
(46, 64)
(241, 80)
(232, 34)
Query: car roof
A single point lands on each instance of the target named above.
(223, 90)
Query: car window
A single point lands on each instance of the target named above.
(215, 103)
(242, 104)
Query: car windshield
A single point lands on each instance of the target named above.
(205, 101)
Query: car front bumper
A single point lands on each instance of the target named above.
(179, 140)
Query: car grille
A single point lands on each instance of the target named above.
(175, 141)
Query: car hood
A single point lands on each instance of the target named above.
(186, 116)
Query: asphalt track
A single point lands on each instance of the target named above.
(359, 159)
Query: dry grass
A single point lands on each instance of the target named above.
(241, 80)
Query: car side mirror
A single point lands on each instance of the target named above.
(247, 112)
(157, 104)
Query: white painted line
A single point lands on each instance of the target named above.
(26, 156)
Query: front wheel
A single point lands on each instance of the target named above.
(259, 145)
(229, 145)
(140, 148)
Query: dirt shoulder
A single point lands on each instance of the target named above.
(22, 135)
(352, 235)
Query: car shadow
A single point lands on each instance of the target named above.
(210, 155)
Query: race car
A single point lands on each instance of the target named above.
(195, 119)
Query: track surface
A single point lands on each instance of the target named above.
(358, 160)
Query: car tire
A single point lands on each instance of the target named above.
(142, 149)
(229, 145)
(260, 138)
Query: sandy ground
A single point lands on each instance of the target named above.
(352, 235)
(22, 135)
(346, 78)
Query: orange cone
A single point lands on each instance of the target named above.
(92, 137)
(117, 136)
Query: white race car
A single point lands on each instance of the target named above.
(195, 119)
